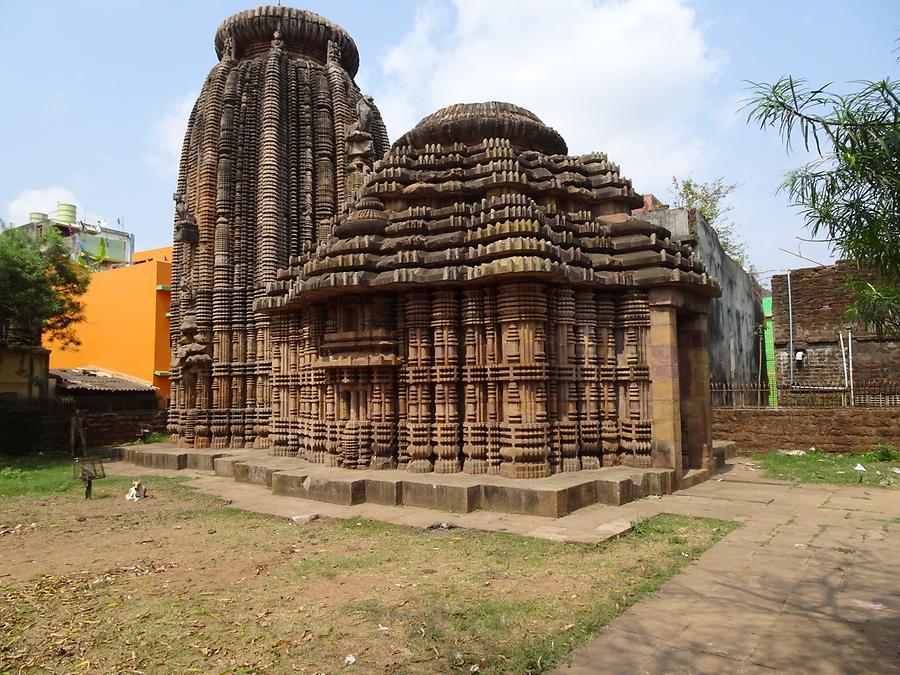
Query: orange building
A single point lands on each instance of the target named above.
(126, 326)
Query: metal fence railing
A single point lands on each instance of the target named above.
(871, 393)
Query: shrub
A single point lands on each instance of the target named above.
(884, 452)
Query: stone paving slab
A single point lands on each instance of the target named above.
(807, 585)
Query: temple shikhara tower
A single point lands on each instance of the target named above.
(472, 299)
(275, 145)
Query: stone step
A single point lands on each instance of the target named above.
(168, 457)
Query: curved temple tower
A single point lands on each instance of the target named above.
(472, 299)
(489, 305)
(278, 139)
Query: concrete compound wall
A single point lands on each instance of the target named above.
(734, 350)
(125, 329)
(853, 429)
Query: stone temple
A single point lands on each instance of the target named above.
(471, 299)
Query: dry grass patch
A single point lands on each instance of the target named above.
(179, 583)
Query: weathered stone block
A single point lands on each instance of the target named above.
(224, 465)
(384, 491)
(172, 460)
(347, 491)
(457, 498)
(526, 500)
(241, 472)
(289, 483)
(615, 491)
(203, 461)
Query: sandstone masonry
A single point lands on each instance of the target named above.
(470, 299)
(854, 429)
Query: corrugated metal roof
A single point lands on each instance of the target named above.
(96, 379)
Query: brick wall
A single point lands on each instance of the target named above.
(819, 303)
(23, 431)
(872, 360)
(830, 429)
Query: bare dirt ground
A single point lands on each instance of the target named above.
(181, 583)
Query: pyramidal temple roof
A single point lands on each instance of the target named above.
(480, 190)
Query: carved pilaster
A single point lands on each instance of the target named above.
(522, 315)
(420, 402)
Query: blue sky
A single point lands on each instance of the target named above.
(97, 93)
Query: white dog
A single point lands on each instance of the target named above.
(137, 491)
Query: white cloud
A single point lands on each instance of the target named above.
(167, 134)
(730, 111)
(44, 200)
(621, 76)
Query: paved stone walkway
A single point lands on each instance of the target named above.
(809, 584)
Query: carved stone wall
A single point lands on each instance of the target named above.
(521, 379)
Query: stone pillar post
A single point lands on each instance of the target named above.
(279, 418)
(693, 346)
(315, 381)
(492, 355)
(664, 384)
(522, 314)
(402, 384)
(384, 441)
(564, 424)
(587, 377)
(606, 345)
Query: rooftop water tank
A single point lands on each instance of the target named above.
(37, 217)
(65, 213)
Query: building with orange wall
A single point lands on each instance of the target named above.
(126, 325)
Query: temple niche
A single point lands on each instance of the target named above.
(472, 299)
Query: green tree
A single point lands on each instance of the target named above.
(850, 193)
(40, 288)
(710, 199)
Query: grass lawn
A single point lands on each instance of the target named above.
(42, 475)
(831, 467)
(181, 583)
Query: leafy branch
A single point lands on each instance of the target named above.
(850, 193)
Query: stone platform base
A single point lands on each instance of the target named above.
(552, 497)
